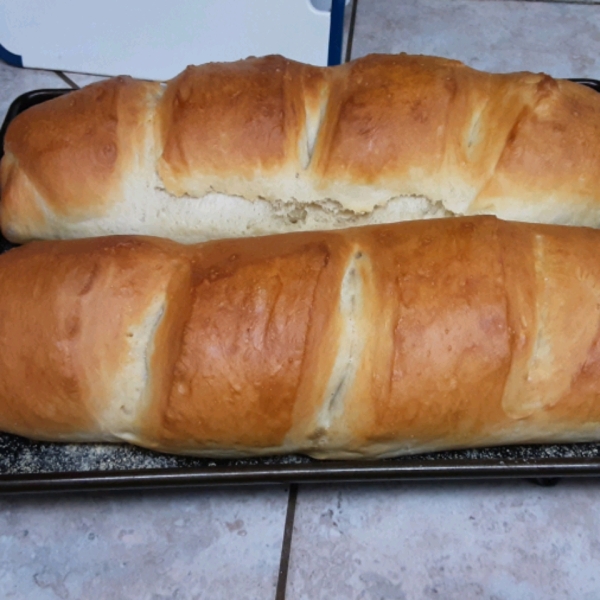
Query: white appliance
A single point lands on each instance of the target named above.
(154, 39)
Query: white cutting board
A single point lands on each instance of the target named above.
(156, 39)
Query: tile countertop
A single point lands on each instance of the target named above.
(473, 540)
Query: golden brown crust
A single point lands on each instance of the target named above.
(68, 315)
(230, 121)
(282, 146)
(75, 149)
(446, 319)
(21, 211)
(371, 341)
(559, 375)
(244, 348)
(395, 125)
(382, 121)
(550, 154)
(443, 325)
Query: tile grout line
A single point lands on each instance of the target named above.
(67, 80)
(286, 545)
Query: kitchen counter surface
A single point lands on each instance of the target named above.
(493, 540)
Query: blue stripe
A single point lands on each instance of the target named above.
(336, 32)
(8, 57)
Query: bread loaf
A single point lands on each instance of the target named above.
(268, 145)
(364, 342)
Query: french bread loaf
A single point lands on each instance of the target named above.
(363, 342)
(269, 145)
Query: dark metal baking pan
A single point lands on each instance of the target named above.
(27, 466)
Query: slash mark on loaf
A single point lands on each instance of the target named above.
(349, 351)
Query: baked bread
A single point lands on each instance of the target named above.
(268, 145)
(364, 342)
